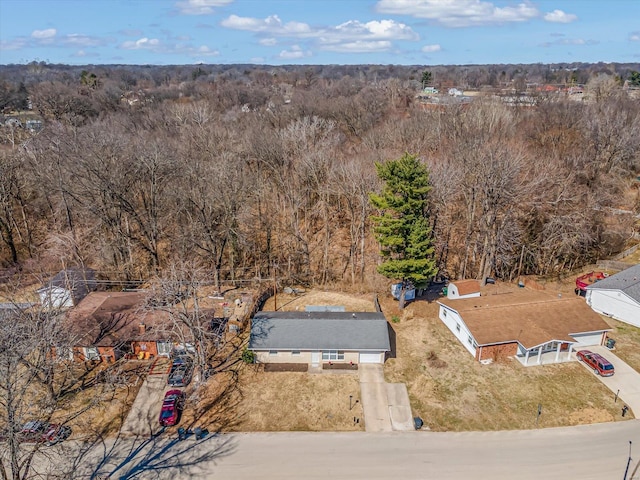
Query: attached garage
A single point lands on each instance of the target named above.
(371, 357)
(617, 296)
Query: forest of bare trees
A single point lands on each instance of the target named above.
(243, 171)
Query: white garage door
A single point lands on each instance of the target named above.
(371, 358)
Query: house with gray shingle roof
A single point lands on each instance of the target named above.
(618, 296)
(319, 337)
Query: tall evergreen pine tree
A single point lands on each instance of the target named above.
(402, 228)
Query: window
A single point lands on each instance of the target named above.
(332, 355)
(295, 353)
(91, 353)
(470, 340)
(273, 353)
(458, 327)
(444, 312)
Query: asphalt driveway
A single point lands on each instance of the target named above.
(626, 380)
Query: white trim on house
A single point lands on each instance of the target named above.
(455, 323)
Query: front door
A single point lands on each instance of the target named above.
(164, 348)
(315, 359)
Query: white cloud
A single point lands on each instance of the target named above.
(16, 44)
(157, 46)
(44, 34)
(360, 46)
(634, 37)
(206, 51)
(256, 59)
(350, 36)
(558, 16)
(295, 52)
(459, 13)
(431, 48)
(76, 39)
(142, 44)
(272, 24)
(384, 29)
(571, 41)
(200, 7)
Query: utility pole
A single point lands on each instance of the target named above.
(275, 289)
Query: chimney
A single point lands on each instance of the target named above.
(142, 328)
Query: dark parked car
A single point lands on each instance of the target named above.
(172, 406)
(181, 372)
(43, 432)
(600, 365)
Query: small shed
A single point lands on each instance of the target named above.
(463, 289)
(67, 288)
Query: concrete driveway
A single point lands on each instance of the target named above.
(143, 416)
(626, 380)
(386, 405)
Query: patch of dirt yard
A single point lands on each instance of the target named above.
(451, 391)
(351, 302)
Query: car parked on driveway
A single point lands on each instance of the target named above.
(37, 431)
(181, 372)
(600, 365)
(172, 406)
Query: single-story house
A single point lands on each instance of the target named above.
(67, 288)
(108, 325)
(463, 289)
(524, 324)
(617, 296)
(319, 337)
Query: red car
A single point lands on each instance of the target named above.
(172, 406)
(43, 432)
(600, 365)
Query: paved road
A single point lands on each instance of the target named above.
(592, 452)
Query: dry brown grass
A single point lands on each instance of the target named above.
(452, 391)
(248, 399)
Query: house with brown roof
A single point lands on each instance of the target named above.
(463, 289)
(524, 324)
(109, 325)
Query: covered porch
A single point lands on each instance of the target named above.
(554, 351)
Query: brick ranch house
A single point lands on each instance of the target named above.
(523, 324)
(319, 337)
(109, 325)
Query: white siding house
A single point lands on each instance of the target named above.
(617, 296)
(533, 327)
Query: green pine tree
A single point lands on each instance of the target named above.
(402, 228)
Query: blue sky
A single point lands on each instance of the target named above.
(276, 32)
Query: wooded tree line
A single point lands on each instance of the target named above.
(247, 174)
